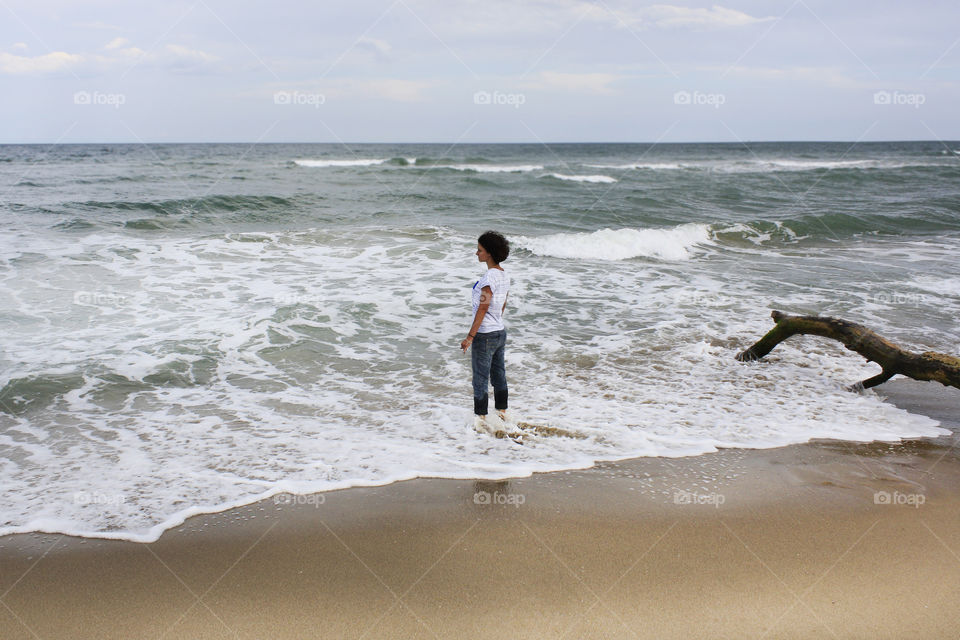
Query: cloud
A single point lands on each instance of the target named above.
(826, 76)
(173, 57)
(380, 46)
(511, 18)
(505, 18)
(367, 49)
(390, 89)
(119, 52)
(116, 43)
(665, 16)
(47, 63)
(597, 83)
(181, 55)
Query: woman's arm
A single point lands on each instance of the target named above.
(486, 295)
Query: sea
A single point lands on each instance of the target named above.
(191, 327)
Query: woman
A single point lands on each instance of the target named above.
(487, 335)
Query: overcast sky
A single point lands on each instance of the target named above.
(484, 71)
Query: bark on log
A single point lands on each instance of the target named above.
(891, 358)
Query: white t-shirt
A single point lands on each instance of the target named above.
(499, 283)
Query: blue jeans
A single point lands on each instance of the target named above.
(487, 360)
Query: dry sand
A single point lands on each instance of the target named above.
(795, 542)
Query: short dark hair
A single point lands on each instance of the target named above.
(496, 245)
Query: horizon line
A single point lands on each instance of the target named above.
(442, 142)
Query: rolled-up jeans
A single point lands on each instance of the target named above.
(487, 360)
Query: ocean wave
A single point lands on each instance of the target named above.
(830, 227)
(188, 205)
(110, 179)
(157, 224)
(477, 165)
(75, 224)
(673, 243)
(33, 392)
(807, 165)
(180, 213)
(571, 178)
(320, 164)
(427, 161)
(757, 232)
(760, 165)
(492, 168)
(209, 204)
(771, 165)
(639, 165)
(214, 370)
(937, 285)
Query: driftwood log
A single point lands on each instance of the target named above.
(891, 358)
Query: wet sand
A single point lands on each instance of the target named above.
(827, 539)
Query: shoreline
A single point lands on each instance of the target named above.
(817, 539)
(916, 397)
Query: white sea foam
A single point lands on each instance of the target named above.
(574, 178)
(638, 165)
(491, 168)
(757, 237)
(369, 162)
(674, 243)
(807, 165)
(209, 372)
(937, 285)
(765, 165)
(464, 166)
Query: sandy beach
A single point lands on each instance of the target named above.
(827, 539)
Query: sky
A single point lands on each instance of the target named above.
(477, 71)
